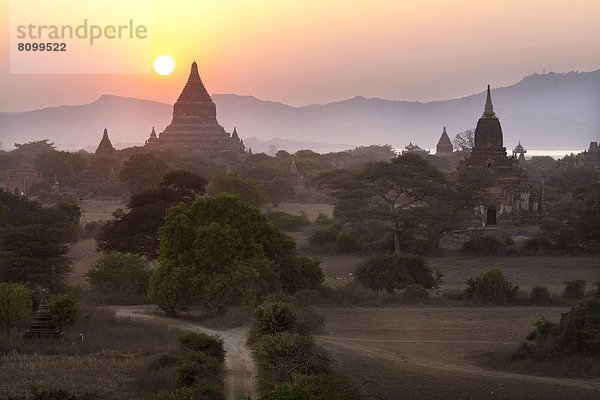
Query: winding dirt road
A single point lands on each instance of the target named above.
(241, 372)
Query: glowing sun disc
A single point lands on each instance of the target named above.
(164, 65)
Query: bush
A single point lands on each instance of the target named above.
(485, 245)
(540, 295)
(288, 222)
(285, 353)
(321, 387)
(578, 334)
(202, 391)
(273, 318)
(415, 294)
(322, 237)
(120, 274)
(201, 342)
(163, 361)
(323, 219)
(490, 287)
(544, 330)
(574, 289)
(394, 272)
(348, 241)
(63, 309)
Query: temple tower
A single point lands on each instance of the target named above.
(444, 145)
(194, 128)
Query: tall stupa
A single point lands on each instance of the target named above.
(194, 128)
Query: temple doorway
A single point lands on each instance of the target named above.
(491, 216)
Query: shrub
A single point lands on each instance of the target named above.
(348, 241)
(63, 309)
(321, 387)
(186, 373)
(485, 245)
(203, 391)
(414, 294)
(574, 289)
(394, 272)
(323, 219)
(273, 318)
(285, 353)
(15, 304)
(540, 295)
(201, 342)
(578, 334)
(121, 274)
(490, 287)
(322, 237)
(543, 331)
(288, 222)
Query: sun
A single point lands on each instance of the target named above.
(164, 65)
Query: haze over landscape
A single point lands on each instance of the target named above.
(300, 200)
(551, 111)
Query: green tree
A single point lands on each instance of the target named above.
(394, 272)
(278, 190)
(136, 231)
(15, 304)
(121, 274)
(490, 287)
(63, 309)
(62, 165)
(187, 184)
(407, 196)
(275, 317)
(247, 189)
(143, 172)
(465, 140)
(34, 241)
(220, 252)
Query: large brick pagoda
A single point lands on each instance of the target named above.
(194, 128)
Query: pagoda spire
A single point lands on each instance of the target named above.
(105, 147)
(153, 134)
(194, 89)
(488, 111)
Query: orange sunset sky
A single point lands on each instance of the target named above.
(316, 51)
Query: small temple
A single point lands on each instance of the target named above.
(444, 145)
(102, 169)
(511, 198)
(591, 157)
(41, 326)
(413, 148)
(194, 128)
(20, 178)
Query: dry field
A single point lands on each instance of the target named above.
(101, 209)
(523, 271)
(434, 353)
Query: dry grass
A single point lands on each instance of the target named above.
(111, 361)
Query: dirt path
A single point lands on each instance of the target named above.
(240, 368)
(361, 346)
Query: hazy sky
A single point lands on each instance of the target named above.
(315, 51)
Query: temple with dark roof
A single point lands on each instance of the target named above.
(511, 199)
(444, 145)
(103, 167)
(194, 128)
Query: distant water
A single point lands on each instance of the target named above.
(552, 153)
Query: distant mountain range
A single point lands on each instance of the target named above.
(560, 111)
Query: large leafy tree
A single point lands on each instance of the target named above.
(34, 241)
(221, 252)
(407, 196)
(143, 172)
(136, 231)
(15, 304)
(235, 183)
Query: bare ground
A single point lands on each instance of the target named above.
(433, 353)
